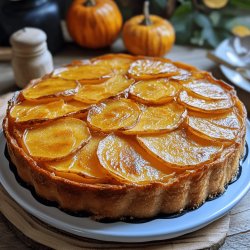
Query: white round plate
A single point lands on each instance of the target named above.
(156, 229)
(226, 52)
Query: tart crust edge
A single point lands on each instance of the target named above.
(189, 191)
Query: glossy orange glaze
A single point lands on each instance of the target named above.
(132, 120)
(158, 91)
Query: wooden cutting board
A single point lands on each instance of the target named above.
(41, 235)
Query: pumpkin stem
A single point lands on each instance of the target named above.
(146, 20)
(89, 3)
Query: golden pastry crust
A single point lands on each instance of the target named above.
(117, 200)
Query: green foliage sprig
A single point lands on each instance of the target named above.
(198, 25)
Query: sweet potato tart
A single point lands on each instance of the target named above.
(119, 136)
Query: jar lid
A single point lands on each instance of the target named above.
(28, 40)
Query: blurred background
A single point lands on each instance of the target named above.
(186, 30)
(203, 23)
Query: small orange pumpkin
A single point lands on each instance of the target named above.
(94, 23)
(148, 35)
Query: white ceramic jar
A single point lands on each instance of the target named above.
(30, 56)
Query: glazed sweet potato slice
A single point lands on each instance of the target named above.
(150, 69)
(207, 106)
(74, 106)
(84, 163)
(56, 140)
(229, 119)
(183, 75)
(88, 73)
(30, 112)
(206, 90)
(209, 130)
(179, 149)
(157, 91)
(120, 63)
(90, 93)
(186, 72)
(50, 88)
(114, 115)
(124, 160)
(159, 119)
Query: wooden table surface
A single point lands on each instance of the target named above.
(239, 233)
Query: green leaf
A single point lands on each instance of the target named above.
(215, 17)
(202, 20)
(240, 4)
(195, 27)
(183, 30)
(183, 9)
(182, 21)
(197, 38)
(210, 37)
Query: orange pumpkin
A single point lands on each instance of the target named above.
(148, 35)
(94, 23)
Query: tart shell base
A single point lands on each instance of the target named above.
(189, 191)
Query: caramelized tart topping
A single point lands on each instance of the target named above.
(158, 91)
(83, 161)
(159, 119)
(114, 115)
(27, 111)
(119, 63)
(87, 73)
(206, 90)
(124, 159)
(90, 93)
(148, 69)
(209, 130)
(207, 106)
(228, 120)
(56, 140)
(50, 87)
(179, 149)
(165, 119)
